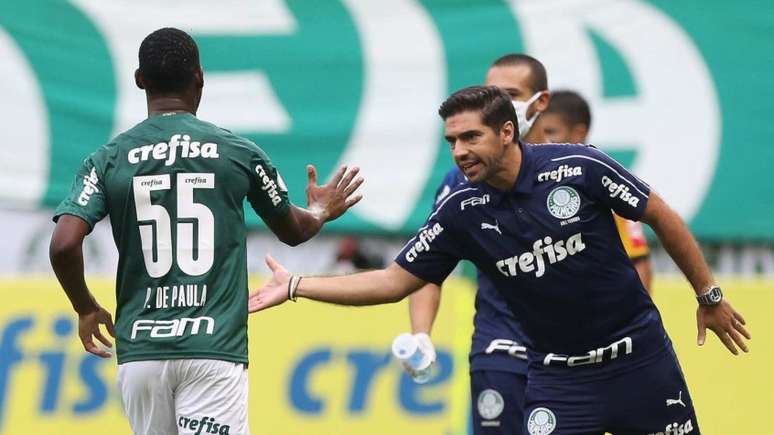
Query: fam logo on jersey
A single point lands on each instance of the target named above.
(168, 152)
(594, 356)
(490, 406)
(620, 191)
(563, 202)
(425, 237)
(511, 347)
(474, 201)
(560, 173)
(206, 425)
(541, 421)
(174, 327)
(676, 429)
(89, 187)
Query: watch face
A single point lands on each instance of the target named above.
(715, 295)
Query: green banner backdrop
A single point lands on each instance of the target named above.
(680, 91)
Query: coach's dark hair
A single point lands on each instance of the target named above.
(169, 58)
(539, 78)
(571, 106)
(494, 104)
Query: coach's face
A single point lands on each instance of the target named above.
(477, 149)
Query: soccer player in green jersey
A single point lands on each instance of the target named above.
(174, 187)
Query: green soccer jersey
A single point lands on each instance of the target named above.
(174, 187)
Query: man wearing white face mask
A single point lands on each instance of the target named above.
(524, 79)
(498, 365)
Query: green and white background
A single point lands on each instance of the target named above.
(681, 92)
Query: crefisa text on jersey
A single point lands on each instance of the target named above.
(169, 151)
(533, 261)
(176, 296)
(424, 238)
(620, 191)
(560, 173)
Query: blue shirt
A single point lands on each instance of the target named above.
(497, 337)
(550, 247)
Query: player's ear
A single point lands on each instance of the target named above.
(138, 79)
(199, 77)
(542, 102)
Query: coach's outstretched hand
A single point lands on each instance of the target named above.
(274, 292)
(332, 199)
(725, 322)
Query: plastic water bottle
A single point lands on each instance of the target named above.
(406, 348)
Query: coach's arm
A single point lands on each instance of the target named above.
(375, 287)
(680, 244)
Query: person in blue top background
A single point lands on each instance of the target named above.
(598, 356)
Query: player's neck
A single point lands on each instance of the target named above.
(505, 178)
(158, 105)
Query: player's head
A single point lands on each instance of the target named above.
(480, 125)
(524, 78)
(567, 118)
(169, 66)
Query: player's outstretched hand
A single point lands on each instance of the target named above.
(335, 197)
(274, 292)
(725, 322)
(88, 329)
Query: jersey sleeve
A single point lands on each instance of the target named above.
(614, 186)
(86, 198)
(432, 254)
(268, 194)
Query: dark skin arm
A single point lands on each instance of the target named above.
(66, 255)
(679, 243)
(325, 203)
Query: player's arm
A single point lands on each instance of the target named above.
(423, 308)
(324, 203)
(66, 255)
(679, 243)
(76, 215)
(375, 287)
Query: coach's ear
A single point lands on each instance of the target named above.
(507, 133)
(138, 79)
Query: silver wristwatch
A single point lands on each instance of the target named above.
(712, 296)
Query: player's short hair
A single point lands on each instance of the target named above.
(571, 107)
(494, 104)
(539, 78)
(169, 58)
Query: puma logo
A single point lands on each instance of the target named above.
(678, 401)
(496, 227)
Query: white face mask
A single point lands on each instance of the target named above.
(521, 114)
